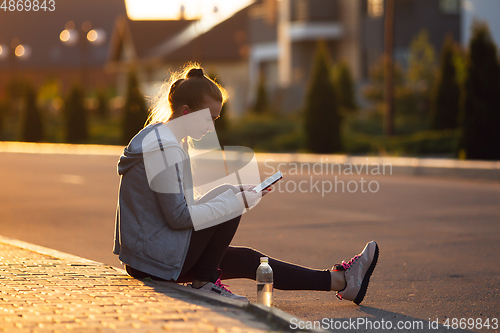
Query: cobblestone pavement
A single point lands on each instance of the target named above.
(41, 293)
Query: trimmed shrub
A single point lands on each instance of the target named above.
(222, 124)
(322, 119)
(481, 113)
(102, 104)
(445, 99)
(135, 112)
(344, 85)
(261, 105)
(76, 119)
(3, 108)
(420, 80)
(32, 129)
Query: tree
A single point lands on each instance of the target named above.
(344, 85)
(421, 73)
(445, 98)
(411, 87)
(421, 60)
(76, 116)
(261, 104)
(222, 123)
(3, 107)
(102, 106)
(481, 104)
(32, 129)
(374, 92)
(322, 120)
(135, 112)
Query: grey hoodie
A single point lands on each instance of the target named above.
(153, 229)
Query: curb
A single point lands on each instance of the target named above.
(273, 316)
(407, 166)
(276, 317)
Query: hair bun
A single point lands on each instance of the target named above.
(195, 72)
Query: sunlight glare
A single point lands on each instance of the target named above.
(171, 9)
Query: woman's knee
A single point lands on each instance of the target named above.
(243, 252)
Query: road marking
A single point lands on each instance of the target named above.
(72, 179)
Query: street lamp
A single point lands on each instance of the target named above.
(4, 51)
(15, 52)
(71, 36)
(20, 51)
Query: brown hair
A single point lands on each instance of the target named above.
(186, 87)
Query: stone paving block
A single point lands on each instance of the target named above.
(39, 293)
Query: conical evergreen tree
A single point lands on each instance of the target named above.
(32, 129)
(222, 123)
(76, 116)
(135, 111)
(261, 105)
(445, 99)
(344, 85)
(102, 107)
(481, 113)
(322, 120)
(2, 115)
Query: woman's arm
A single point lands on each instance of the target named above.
(168, 185)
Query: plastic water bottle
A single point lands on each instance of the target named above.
(265, 283)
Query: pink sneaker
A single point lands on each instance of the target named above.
(357, 273)
(220, 289)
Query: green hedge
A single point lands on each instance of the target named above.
(284, 134)
(423, 143)
(266, 133)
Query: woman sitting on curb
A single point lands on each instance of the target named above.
(155, 235)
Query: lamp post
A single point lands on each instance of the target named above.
(15, 52)
(83, 36)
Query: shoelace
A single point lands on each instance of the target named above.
(219, 283)
(348, 264)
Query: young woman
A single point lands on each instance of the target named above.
(155, 235)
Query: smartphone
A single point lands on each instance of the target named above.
(268, 182)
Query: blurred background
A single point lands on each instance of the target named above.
(360, 77)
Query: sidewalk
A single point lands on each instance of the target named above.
(43, 290)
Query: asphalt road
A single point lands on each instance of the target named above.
(439, 239)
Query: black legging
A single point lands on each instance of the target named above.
(209, 250)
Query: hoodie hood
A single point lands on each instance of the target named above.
(146, 141)
(128, 159)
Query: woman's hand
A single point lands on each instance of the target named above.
(250, 197)
(246, 187)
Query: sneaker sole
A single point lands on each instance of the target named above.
(366, 279)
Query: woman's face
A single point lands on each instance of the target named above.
(202, 122)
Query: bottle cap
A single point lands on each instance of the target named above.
(264, 259)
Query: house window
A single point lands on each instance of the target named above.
(375, 8)
(449, 6)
